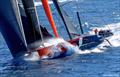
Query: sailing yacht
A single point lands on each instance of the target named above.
(87, 41)
(25, 36)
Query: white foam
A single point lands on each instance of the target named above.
(95, 50)
(33, 56)
(115, 39)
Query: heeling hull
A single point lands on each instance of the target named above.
(56, 48)
(54, 51)
(46, 51)
(88, 42)
(90, 45)
(10, 29)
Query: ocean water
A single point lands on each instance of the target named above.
(102, 61)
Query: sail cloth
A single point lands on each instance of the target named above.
(10, 29)
(18, 17)
(31, 24)
(34, 32)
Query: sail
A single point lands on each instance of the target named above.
(18, 17)
(71, 30)
(9, 27)
(30, 21)
(34, 32)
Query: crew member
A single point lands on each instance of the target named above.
(96, 31)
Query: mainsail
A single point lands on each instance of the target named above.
(20, 30)
(18, 17)
(9, 26)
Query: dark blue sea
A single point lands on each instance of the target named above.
(102, 61)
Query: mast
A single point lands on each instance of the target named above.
(80, 23)
(78, 16)
(60, 13)
(49, 16)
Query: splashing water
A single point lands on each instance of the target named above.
(114, 40)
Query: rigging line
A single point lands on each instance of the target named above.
(72, 28)
(65, 3)
(78, 8)
(60, 13)
(53, 9)
(68, 16)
